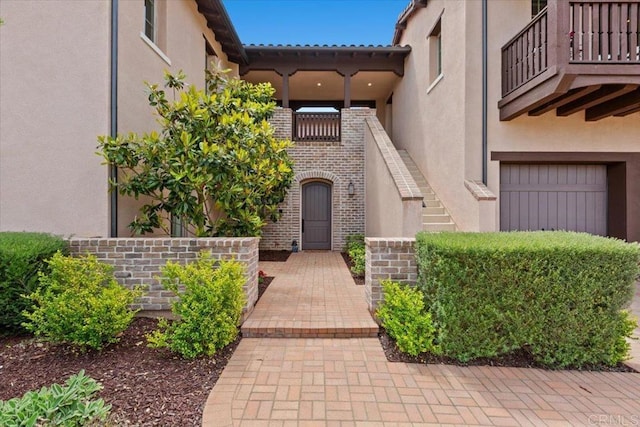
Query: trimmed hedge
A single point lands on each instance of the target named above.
(558, 295)
(22, 256)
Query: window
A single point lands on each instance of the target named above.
(154, 33)
(537, 6)
(150, 19)
(435, 53)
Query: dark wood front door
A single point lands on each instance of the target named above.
(316, 216)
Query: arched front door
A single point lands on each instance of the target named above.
(316, 215)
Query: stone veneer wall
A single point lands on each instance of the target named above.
(336, 162)
(137, 261)
(388, 258)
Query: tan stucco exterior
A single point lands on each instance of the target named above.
(54, 101)
(181, 47)
(441, 124)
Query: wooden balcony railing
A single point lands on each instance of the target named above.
(525, 56)
(604, 32)
(322, 127)
(595, 32)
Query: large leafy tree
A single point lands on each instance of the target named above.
(215, 164)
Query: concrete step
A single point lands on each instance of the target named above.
(436, 219)
(435, 227)
(438, 210)
(432, 203)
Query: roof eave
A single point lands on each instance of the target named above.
(219, 22)
(407, 13)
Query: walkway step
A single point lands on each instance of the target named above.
(310, 332)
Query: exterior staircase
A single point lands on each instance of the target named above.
(434, 215)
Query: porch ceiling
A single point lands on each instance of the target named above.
(303, 85)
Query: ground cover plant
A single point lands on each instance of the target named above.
(79, 302)
(215, 165)
(22, 256)
(71, 404)
(559, 296)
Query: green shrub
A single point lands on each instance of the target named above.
(71, 404)
(22, 256)
(403, 315)
(558, 295)
(81, 303)
(356, 250)
(209, 306)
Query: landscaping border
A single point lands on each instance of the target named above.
(137, 261)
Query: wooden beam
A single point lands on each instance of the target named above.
(601, 95)
(570, 96)
(631, 110)
(614, 106)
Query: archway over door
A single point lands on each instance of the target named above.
(316, 215)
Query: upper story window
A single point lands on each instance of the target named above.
(537, 6)
(435, 52)
(150, 19)
(155, 27)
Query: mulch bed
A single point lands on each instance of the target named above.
(277, 256)
(145, 386)
(359, 280)
(266, 281)
(517, 359)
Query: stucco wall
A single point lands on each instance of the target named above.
(393, 200)
(430, 119)
(183, 45)
(441, 128)
(336, 162)
(54, 101)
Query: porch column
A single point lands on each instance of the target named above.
(347, 90)
(285, 89)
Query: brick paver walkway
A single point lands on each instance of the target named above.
(312, 295)
(348, 382)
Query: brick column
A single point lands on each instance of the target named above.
(388, 258)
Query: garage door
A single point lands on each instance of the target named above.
(553, 197)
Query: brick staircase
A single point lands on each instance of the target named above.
(434, 215)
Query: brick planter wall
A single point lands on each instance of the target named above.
(335, 162)
(388, 258)
(137, 261)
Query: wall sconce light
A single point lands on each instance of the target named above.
(351, 189)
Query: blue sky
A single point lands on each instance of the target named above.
(367, 22)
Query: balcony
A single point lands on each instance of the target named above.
(574, 56)
(316, 127)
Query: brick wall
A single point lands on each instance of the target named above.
(138, 261)
(336, 162)
(388, 258)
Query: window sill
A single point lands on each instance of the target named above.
(435, 82)
(155, 48)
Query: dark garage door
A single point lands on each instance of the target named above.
(553, 197)
(316, 216)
